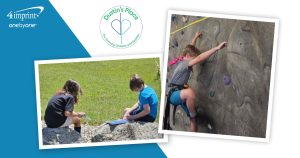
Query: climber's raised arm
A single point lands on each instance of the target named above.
(203, 56)
(197, 35)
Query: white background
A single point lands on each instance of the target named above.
(83, 17)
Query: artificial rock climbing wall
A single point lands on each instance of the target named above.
(232, 86)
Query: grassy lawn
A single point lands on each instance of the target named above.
(105, 85)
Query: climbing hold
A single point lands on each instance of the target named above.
(182, 32)
(226, 80)
(212, 93)
(175, 43)
(246, 28)
(209, 126)
(173, 18)
(185, 19)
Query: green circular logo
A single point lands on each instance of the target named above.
(121, 27)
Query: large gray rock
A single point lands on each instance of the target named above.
(102, 133)
(54, 136)
(241, 106)
(128, 131)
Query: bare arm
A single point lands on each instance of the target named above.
(202, 57)
(135, 106)
(197, 35)
(74, 114)
(145, 112)
(129, 110)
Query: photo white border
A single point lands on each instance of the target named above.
(56, 61)
(164, 76)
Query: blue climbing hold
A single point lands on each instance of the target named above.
(226, 80)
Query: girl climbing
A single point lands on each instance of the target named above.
(60, 110)
(179, 92)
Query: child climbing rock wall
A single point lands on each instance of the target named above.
(233, 86)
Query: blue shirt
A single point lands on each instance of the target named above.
(148, 96)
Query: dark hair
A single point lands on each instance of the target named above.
(71, 87)
(135, 82)
(190, 49)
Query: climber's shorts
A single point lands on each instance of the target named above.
(68, 122)
(176, 100)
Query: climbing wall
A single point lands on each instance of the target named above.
(232, 86)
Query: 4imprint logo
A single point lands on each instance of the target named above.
(121, 27)
(21, 18)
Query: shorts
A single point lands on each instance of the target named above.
(176, 100)
(147, 118)
(68, 122)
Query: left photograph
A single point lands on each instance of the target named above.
(98, 101)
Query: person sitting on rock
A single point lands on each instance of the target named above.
(145, 109)
(60, 110)
(180, 93)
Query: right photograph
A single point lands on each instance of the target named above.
(218, 75)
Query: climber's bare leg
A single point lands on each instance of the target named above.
(188, 95)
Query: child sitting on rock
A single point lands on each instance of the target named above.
(60, 110)
(146, 108)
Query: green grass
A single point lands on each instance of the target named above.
(105, 85)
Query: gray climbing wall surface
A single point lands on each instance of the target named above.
(232, 86)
